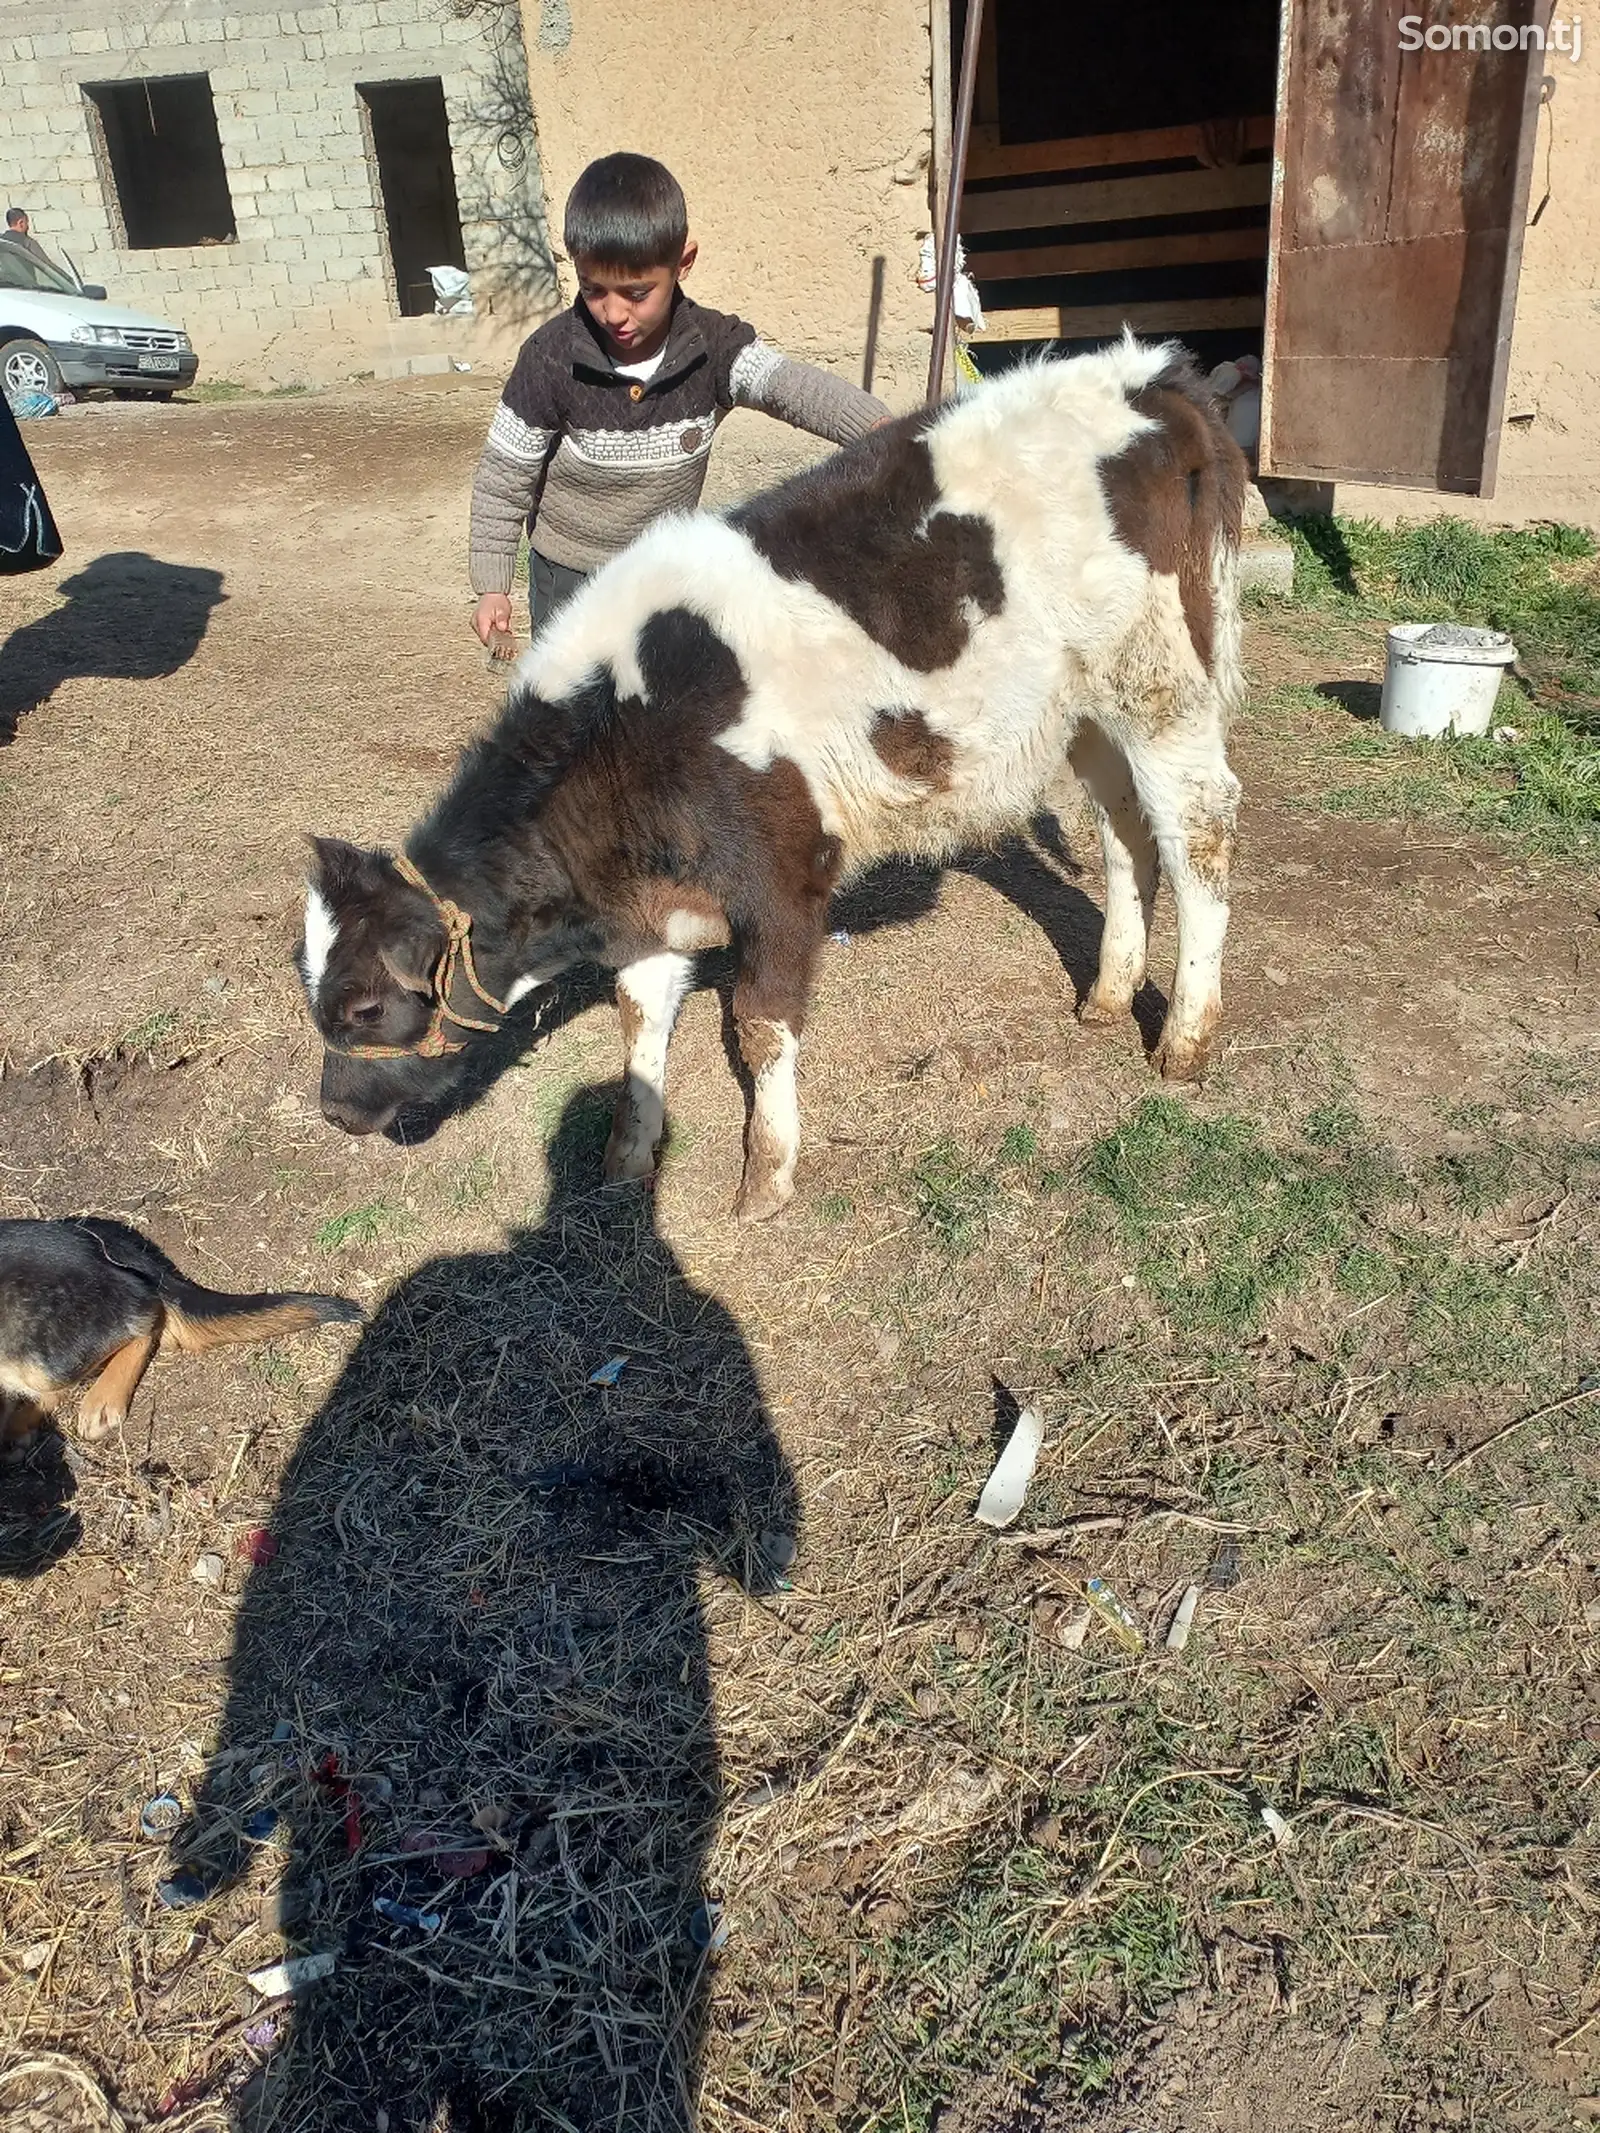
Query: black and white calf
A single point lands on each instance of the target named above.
(891, 654)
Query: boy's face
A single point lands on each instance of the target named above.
(632, 306)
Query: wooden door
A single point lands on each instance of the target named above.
(1399, 199)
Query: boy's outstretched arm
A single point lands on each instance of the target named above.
(505, 491)
(801, 395)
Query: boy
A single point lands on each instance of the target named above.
(606, 422)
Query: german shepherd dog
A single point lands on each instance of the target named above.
(89, 1302)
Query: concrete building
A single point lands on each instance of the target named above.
(279, 181)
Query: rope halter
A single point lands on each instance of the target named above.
(434, 1044)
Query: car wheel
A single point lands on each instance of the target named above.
(28, 367)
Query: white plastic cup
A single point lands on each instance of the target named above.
(1442, 678)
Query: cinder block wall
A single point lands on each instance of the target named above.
(305, 294)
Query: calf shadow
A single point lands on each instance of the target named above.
(127, 617)
(1040, 877)
(474, 1682)
(530, 1023)
(1036, 872)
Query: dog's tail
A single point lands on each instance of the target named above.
(197, 1318)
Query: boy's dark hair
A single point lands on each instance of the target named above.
(14, 216)
(627, 211)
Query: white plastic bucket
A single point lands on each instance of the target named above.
(1442, 677)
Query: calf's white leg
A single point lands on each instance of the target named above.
(1133, 871)
(776, 959)
(772, 1138)
(1191, 799)
(649, 994)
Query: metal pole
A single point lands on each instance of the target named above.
(944, 298)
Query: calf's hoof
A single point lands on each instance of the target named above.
(1099, 1013)
(762, 1195)
(630, 1160)
(1181, 1060)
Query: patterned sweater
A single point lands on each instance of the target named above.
(586, 458)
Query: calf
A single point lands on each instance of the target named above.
(890, 654)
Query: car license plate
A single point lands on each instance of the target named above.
(149, 362)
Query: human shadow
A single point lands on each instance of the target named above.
(473, 1683)
(38, 1525)
(127, 617)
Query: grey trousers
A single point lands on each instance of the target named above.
(550, 586)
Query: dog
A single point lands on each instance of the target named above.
(87, 1302)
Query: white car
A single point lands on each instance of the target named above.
(55, 332)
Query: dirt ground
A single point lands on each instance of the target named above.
(500, 1595)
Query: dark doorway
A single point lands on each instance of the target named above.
(1070, 70)
(164, 160)
(1120, 172)
(411, 147)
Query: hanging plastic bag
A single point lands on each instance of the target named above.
(966, 309)
(452, 292)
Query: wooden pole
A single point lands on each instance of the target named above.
(944, 298)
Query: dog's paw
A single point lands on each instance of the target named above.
(98, 1418)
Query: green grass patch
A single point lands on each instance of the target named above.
(1542, 585)
(954, 1193)
(274, 1370)
(1541, 790)
(150, 1032)
(472, 1184)
(1219, 1224)
(971, 1989)
(1321, 1324)
(955, 1190)
(357, 1225)
(1018, 1145)
(1536, 582)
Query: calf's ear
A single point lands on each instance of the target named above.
(339, 865)
(414, 940)
(412, 959)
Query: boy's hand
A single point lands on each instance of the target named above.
(492, 617)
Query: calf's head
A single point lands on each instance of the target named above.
(374, 947)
